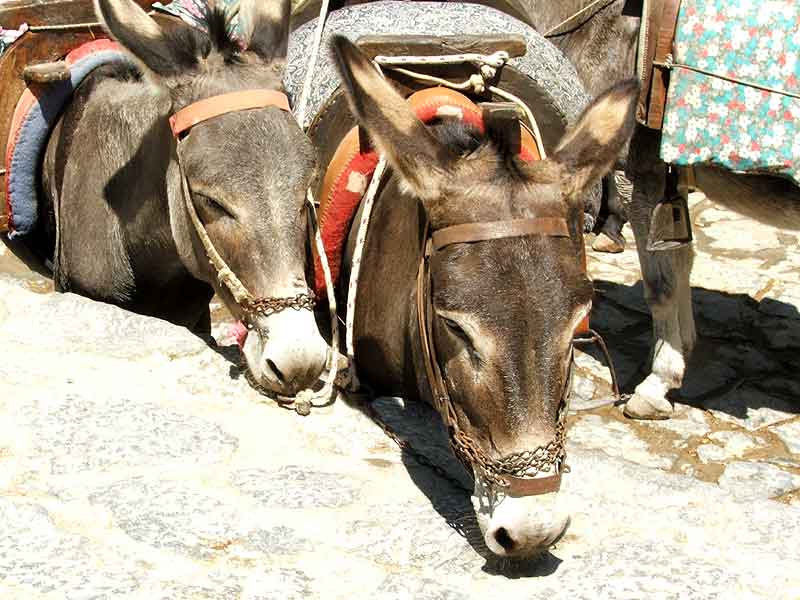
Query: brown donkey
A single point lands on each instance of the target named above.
(113, 180)
(504, 310)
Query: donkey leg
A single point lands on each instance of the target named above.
(665, 276)
(610, 238)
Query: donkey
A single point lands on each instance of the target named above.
(605, 45)
(115, 201)
(505, 309)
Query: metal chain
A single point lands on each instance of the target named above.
(527, 463)
(273, 304)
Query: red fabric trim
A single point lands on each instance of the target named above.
(89, 47)
(339, 216)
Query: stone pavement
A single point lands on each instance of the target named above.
(136, 462)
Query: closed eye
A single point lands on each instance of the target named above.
(456, 330)
(219, 208)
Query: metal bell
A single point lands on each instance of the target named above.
(670, 225)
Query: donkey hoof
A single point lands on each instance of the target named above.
(603, 243)
(647, 408)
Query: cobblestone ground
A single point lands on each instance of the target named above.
(135, 461)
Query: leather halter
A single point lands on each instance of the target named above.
(203, 110)
(514, 474)
(180, 123)
(514, 483)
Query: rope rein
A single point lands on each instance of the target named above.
(355, 269)
(670, 64)
(554, 31)
(302, 104)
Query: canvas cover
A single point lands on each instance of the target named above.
(739, 127)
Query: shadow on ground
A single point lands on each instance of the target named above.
(747, 354)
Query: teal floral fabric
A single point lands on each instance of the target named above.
(191, 11)
(711, 120)
(9, 36)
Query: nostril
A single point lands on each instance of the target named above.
(275, 370)
(505, 540)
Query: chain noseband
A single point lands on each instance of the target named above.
(514, 473)
(180, 123)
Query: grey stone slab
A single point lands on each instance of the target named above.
(87, 326)
(294, 486)
(615, 439)
(406, 534)
(687, 423)
(736, 443)
(75, 433)
(711, 453)
(280, 584)
(35, 553)
(399, 587)
(178, 518)
(751, 481)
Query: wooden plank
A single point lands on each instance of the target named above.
(425, 45)
(14, 13)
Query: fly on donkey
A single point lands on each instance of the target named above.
(153, 171)
(469, 282)
(719, 111)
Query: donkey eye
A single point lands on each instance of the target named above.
(455, 329)
(213, 205)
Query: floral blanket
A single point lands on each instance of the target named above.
(191, 11)
(9, 36)
(740, 127)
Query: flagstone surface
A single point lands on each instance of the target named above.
(136, 462)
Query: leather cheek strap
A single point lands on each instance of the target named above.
(478, 232)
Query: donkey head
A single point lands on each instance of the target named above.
(504, 310)
(247, 171)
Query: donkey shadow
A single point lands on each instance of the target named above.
(747, 353)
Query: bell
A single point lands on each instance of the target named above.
(670, 226)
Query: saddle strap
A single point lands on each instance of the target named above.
(658, 34)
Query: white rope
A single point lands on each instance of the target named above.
(332, 366)
(300, 110)
(496, 60)
(573, 17)
(355, 269)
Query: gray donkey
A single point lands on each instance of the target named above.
(503, 311)
(603, 49)
(115, 203)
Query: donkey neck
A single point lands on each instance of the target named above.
(385, 328)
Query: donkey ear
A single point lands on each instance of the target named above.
(266, 27)
(591, 148)
(414, 153)
(130, 25)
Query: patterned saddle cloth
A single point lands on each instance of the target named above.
(750, 126)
